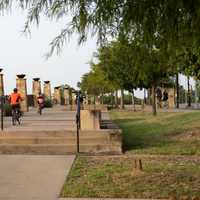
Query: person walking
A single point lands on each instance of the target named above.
(165, 99)
(159, 97)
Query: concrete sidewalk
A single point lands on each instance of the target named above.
(30, 177)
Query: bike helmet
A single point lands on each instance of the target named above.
(15, 90)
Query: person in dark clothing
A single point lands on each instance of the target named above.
(159, 97)
(165, 98)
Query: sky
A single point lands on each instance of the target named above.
(20, 54)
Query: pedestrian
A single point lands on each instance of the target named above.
(159, 97)
(165, 99)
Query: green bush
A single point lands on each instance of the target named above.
(48, 103)
(7, 110)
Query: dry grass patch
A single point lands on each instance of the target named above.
(189, 135)
(112, 177)
(169, 148)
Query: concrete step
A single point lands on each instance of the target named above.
(101, 139)
(57, 149)
(52, 133)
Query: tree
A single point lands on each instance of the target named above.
(159, 24)
(116, 61)
(95, 82)
(131, 64)
(154, 67)
(174, 21)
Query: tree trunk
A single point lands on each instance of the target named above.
(94, 102)
(133, 100)
(177, 91)
(112, 99)
(154, 100)
(189, 92)
(196, 93)
(144, 101)
(145, 96)
(101, 98)
(149, 96)
(122, 99)
(116, 98)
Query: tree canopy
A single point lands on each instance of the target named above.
(95, 82)
(176, 22)
(130, 64)
(152, 39)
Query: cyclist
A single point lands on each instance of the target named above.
(15, 99)
(40, 101)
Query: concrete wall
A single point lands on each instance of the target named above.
(90, 119)
(22, 89)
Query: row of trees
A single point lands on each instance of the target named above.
(130, 64)
(155, 40)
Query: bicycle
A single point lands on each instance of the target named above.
(40, 101)
(40, 107)
(16, 116)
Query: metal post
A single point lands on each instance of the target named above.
(2, 107)
(78, 120)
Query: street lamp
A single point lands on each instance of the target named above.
(78, 121)
(2, 98)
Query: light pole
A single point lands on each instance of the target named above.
(78, 120)
(2, 98)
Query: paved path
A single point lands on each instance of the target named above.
(148, 108)
(26, 177)
(52, 119)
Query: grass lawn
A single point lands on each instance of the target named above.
(169, 147)
(167, 133)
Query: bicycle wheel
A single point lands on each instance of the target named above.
(40, 109)
(18, 118)
(13, 117)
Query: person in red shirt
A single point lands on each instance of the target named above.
(15, 99)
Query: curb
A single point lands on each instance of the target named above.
(105, 199)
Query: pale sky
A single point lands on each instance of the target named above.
(20, 54)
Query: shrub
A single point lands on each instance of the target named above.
(7, 110)
(48, 103)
